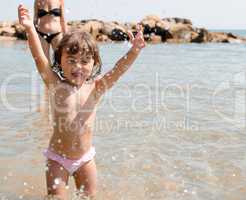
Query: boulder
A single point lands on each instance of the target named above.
(176, 20)
(181, 32)
(102, 38)
(4, 24)
(114, 31)
(155, 39)
(93, 27)
(118, 35)
(7, 31)
(202, 36)
(20, 32)
(150, 21)
(219, 37)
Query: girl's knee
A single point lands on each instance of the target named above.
(88, 191)
(91, 192)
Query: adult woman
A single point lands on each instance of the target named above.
(50, 23)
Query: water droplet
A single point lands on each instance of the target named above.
(25, 184)
(131, 155)
(57, 181)
(193, 192)
(10, 174)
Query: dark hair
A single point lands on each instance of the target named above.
(75, 42)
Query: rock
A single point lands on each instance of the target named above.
(94, 27)
(103, 38)
(5, 24)
(155, 30)
(118, 35)
(178, 20)
(5, 38)
(219, 37)
(202, 36)
(181, 32)
(114, 31)
(150, 21)
(159, 28)
(130, 26)
(153, 17)
(155, 38)
(20, 32)
(7, 31)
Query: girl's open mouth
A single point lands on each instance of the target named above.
(77, 74)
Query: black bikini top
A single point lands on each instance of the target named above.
(56, 12)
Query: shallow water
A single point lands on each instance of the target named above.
(172, 128)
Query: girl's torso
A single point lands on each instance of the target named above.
(73, 115)
(49, 16)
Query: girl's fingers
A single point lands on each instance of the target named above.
(139, 28)
(130, 35)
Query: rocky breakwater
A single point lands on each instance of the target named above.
(155, 29)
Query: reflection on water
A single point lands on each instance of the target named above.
(169, 130)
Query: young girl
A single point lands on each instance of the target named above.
(50, 23)
(74, 91)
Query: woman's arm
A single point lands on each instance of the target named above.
(35, 18)
(108, 80)
(63, 21)
(35, 46)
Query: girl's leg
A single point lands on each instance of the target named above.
(56, 179)
(86, 179)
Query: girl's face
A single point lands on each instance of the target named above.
(77, 68)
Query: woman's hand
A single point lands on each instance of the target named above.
(24, 17)
(137, 41)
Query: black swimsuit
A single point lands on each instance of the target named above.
(41, 13)
(56, 12)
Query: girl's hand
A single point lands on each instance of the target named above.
(137, 41)
(24, 17)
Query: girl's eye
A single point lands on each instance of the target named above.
(83, 62)
(71, 61)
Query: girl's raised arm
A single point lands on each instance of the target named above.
(35, 46)
(108, 80)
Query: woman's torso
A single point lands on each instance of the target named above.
(50, 22)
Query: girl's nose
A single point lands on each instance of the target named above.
(78, 65)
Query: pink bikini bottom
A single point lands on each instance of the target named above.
(70, 165)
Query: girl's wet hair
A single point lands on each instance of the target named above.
(78, 42)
